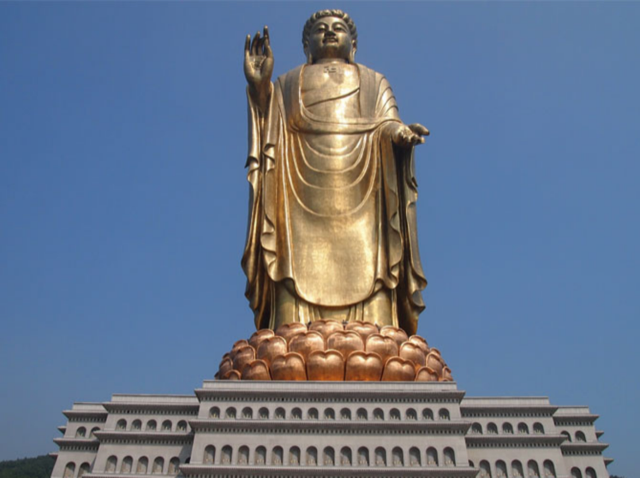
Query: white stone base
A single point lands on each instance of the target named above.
(329, 429)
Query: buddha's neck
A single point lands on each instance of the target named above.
(330, 60)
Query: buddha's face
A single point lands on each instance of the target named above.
(330, 38)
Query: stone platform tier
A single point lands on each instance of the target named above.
(328, 350)
(233, 428)
(250, 428)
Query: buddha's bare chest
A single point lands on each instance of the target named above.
(331, 90)
(315, 77)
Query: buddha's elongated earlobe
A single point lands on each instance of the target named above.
(307, 53)
(352, 53)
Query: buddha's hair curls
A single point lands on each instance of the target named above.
(329, 13)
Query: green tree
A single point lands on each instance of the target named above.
(38, 467)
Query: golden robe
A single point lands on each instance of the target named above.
(332, 211)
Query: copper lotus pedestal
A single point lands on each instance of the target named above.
(328, 350)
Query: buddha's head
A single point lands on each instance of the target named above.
(329, 35)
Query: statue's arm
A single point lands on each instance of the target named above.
(258, 68)
(407, 135)
(400, 133)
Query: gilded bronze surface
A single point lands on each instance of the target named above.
(334, 277)
(332, 220)
(351, 351)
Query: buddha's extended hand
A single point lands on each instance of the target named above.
(408, 135)
(258, 67)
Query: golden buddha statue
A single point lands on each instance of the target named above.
(332, 220)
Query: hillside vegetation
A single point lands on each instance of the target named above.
(38, 467)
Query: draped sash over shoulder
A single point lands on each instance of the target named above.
(332, 206)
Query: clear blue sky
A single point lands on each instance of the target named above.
(123, 197)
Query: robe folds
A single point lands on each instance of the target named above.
(332, 209)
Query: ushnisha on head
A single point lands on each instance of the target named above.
(330, 35)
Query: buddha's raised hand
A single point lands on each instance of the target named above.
(258, 66)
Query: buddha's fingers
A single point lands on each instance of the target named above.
(247, 47)
(419, 129)
(255, 44)
(267, 43)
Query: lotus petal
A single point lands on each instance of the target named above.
(386, 347)
(225, 366)
(307, 342)
(365, 329)
(420, 342)
(413, 352)
(232, 375)
(289, 366)
(434, 362)
(325, 366)
(326, 326)
(363, 367)
(259, 336)
(435, 351)
(397, 334)
(271, 347)
(256, 370)
(425, 374)
(398, 369)
(345, 342)
(244, 355)
(290, 330)
(446, 375)
(236, 348)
